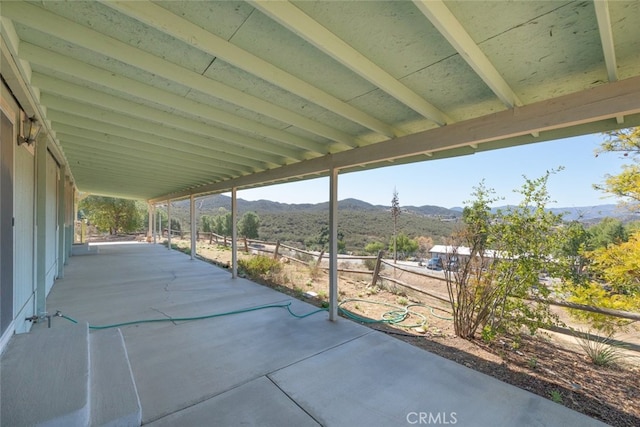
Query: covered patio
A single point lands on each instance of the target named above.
(266, 367)
(164, 101)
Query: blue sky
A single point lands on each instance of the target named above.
(450, 182)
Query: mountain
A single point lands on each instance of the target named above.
(359, 222)
(211, 204)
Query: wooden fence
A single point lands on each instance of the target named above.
(280, 250)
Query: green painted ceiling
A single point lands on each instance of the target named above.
(163, 99)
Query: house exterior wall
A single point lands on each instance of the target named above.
(36, 218)
(51, 222)
(24, 298)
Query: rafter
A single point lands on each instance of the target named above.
(178, 27)
(255, 149)
(289, 16)
(447, 24)
(124, 132)
(79, 71)
(69, 31)
(581, 108)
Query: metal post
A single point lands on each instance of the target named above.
(169, 224)
(41, 224)
(61, 220)
(333, 245)
(150, 222)
(234, 234)
(154, 229)
(194, 236)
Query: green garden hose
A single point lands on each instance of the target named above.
(395, 316)
(209, 316)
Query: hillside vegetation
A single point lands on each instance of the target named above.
(359, 222)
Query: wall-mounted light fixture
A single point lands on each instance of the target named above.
(30, 130)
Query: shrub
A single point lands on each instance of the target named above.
(370, 264)
(259, 266)
(594, 295)
(602, 351)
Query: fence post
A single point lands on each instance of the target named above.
(275, 252)
(319, 259)
(246, 245)
(376, 270)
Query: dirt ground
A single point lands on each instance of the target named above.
(549, 364)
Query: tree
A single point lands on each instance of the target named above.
(249, 225)
(606, 232)
(508, 250)
(395, 213)
(404, 245)
(618, 265)
(424, 245)
(112, 215)
(374, 247)
(207, 223)
(626, 184)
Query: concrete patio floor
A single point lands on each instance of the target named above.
(266, 367)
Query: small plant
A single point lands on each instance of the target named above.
(322, 294)
(488, 334)
(403, 301)
(532, 362)
(602, 351)
(556, 396)
(309, 283)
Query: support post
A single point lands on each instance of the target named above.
(41, 225)
(62, 202)
(154, 230)
(234, 234)
(376, 270)
(169, 224)
(194, 236)
(149, 222)
(333, 245)
(275, 252)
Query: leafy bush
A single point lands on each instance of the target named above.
(595, 295)
(259, 266)
(509, 248)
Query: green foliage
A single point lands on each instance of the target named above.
(259, 266)
(619, 265)
(556, 396)
(404, 245)
(395, 213)
(207, 223)
(176, 225)
(595, 295)
(509, 249)
(321, 240)
(113, 215)
(606, 232)
(370, 264)
(374, 247)
(602, 351)
(249, 225)
(625, 185)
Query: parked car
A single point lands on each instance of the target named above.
(435, 264)
(452, 264)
